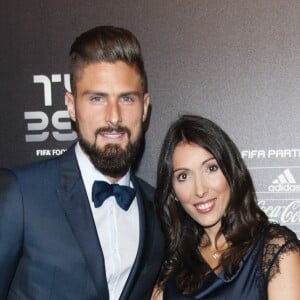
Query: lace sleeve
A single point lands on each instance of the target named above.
(279, 240)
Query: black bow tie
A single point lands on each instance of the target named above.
(102, 190)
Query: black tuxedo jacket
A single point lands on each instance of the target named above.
(49, 248)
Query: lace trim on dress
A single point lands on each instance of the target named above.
(277, 241)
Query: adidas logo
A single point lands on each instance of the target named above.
(285, 182)
(285, 177)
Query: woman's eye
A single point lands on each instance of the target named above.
(182, 177)
(213, 168)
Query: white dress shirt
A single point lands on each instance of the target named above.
(118, 230)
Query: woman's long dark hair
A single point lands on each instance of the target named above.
(240, 224)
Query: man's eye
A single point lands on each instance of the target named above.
(96, 98)
(127, 98)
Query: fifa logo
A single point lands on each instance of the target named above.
(38, 121)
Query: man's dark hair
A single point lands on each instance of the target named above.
(106, 44)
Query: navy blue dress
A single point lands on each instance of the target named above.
(254, 272)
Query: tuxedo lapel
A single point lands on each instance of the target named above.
(75, 203)
(145, 209)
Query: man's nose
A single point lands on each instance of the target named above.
(113, 113)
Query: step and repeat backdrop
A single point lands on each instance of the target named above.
(235, 62)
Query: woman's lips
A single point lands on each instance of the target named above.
(205, 206)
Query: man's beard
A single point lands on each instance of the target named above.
(112, 160)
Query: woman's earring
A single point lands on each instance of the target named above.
(173, 197)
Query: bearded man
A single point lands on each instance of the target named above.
(83, 226)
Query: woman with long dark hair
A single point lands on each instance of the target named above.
(219, 243)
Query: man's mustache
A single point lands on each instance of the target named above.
(120, 129)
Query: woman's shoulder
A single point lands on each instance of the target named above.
(281, 263)
(279, 240)
(279, 236)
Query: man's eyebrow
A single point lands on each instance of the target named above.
(99, 93)
(133, 93)
(91, 92)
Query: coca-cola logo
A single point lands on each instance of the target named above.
(289, 213)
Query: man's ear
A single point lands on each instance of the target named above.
(70, 103)
(146, 105)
